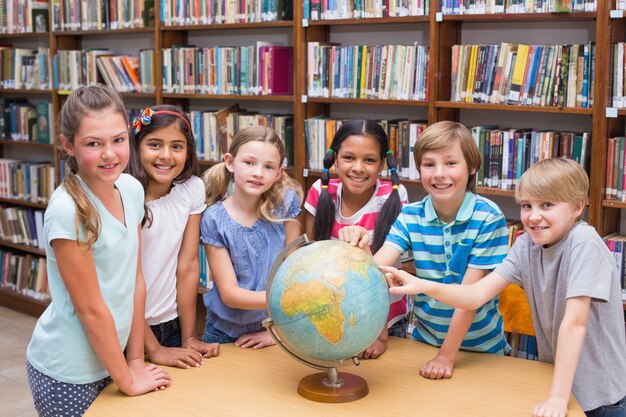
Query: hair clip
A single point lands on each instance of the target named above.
(144, 119)
(326, 170)
(393, 170)
(331, 150)
(395, 187)
(389, 152)
(324, 187)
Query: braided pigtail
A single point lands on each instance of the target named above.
(325, 213)
(390, 209)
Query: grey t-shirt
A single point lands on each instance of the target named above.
(580, 264)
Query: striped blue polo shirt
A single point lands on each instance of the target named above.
(442, 252)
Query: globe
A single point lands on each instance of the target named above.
(327, 302)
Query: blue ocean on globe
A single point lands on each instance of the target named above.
(328, 301)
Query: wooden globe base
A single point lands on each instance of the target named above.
(313, 388)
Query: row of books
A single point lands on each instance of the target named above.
(23, 226)
(24, 274)
(128, 73)
(615, 188)
(402, 134)
(30, 181)
(537, 75)
(25, 68)
(260, 69)
(74, 68)
(72, 15)
(386, 72)
(523, 346)
(21, 120)
(18, 16)
(507, 153)
(516, 6)
(359, 9)
(215, 130)
(619, 74)
(617, 245)
(178, 13)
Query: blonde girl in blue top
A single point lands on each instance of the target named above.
(163, 159)
(92, 237)
(244, 233)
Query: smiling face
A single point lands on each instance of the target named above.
(547, 222)
(444, 175)
(255, 167)
(358, 164)
(163, 153)
(100, 147)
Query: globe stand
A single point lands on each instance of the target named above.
(333, 387)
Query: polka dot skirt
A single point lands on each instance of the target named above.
(54, 398)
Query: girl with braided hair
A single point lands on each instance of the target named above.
(358, 197)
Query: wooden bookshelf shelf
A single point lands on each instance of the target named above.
(506, 107)
(104, 32)
(24, 248)
(228, 97)
(23, 203)
(521, 17)
(25, 35)
(22, 303)
(371, 21)
(614, 204)
(227, 26)
(26, 144)
(25, 91)
(411, 103)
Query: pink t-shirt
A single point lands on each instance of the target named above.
(366, 217)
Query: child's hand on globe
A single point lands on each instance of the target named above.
(355, 236)
(401, 282)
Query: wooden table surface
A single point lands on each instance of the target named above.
(243, 382)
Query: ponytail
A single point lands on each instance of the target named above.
(325, 212)
(216, 180)
(86, 212)
(390, 209)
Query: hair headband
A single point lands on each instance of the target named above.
(145, 118)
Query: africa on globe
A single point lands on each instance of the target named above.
(327, 302)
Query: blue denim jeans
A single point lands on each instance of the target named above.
(614, 410)
(213, 335)
(168, 333)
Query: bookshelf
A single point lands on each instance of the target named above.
(439, 32)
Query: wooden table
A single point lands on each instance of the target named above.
(242, 382)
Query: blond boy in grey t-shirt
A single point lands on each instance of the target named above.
(572, 285)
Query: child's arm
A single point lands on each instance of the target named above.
(78, 271)
(469, 297)
(187, 280)
(442, 364)
(135, 345)
(569, 345)
(226, 281)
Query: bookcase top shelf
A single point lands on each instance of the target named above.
(229, 97)
(28, 249)
(506, 107)
(25, 144)
(227, 26)
(520, 17)
(371, 21)
(25, 35)
(103, 32)
(25, 91)
(412, 103)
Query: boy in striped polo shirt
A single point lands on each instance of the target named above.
(572, 286)
(456, 237)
